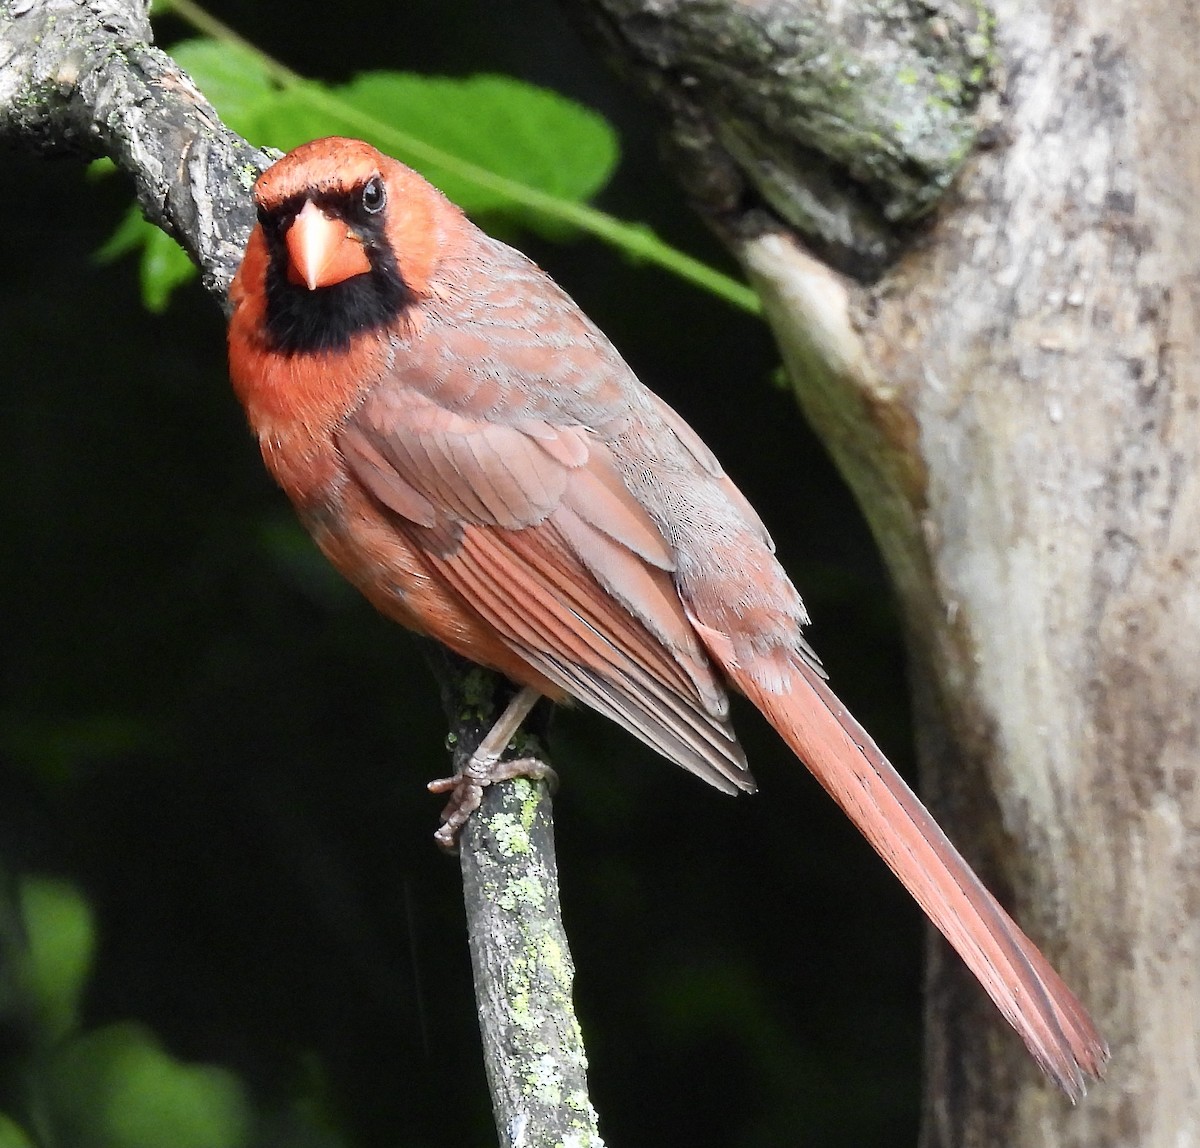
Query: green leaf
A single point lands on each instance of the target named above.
(163, 263)
(165, 266)
(495, 145)
(12, 1135)
(503, 126)
(511, 129)
(61, 939)
(129, 236)
(233, 79)
(116, 1088)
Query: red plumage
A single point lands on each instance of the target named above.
(472, 453)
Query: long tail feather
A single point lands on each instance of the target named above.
(841, 755)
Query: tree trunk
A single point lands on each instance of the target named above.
(1046, 338)
(1017, 404)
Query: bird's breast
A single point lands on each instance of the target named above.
(296, 403)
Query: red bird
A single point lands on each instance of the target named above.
(473, 454)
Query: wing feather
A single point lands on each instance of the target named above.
(503, 492)
(598, 496)
(383, 480)
(532, 528)
(708, 461)
(597, 655)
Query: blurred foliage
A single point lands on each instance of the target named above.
(116, 1087)
(512, 154)
(222, 919)
(112, 1086)
(59, 945)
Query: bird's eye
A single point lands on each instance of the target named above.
(374, 195)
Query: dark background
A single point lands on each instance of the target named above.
(225, 749)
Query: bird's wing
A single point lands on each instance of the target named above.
(531, 526)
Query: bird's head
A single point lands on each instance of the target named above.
(350, 239)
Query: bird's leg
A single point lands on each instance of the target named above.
(485, 767)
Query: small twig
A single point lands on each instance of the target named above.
(533, 1048)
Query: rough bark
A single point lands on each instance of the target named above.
(850, 120)
(1059, 403)
(520, 957)
(1016, 402)
(84, 78)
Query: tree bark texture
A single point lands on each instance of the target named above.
(1055, 383)
(520, 956)
(83, 77)
(849, 119)
(1016, 401)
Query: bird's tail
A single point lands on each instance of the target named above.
(843, 758)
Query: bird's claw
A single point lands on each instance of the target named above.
(466, 789)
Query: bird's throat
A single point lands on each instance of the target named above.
(299, 321)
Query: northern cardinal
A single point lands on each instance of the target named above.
(472, 453)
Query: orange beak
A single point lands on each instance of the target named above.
(323, 251)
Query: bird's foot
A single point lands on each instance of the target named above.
(466, 789)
